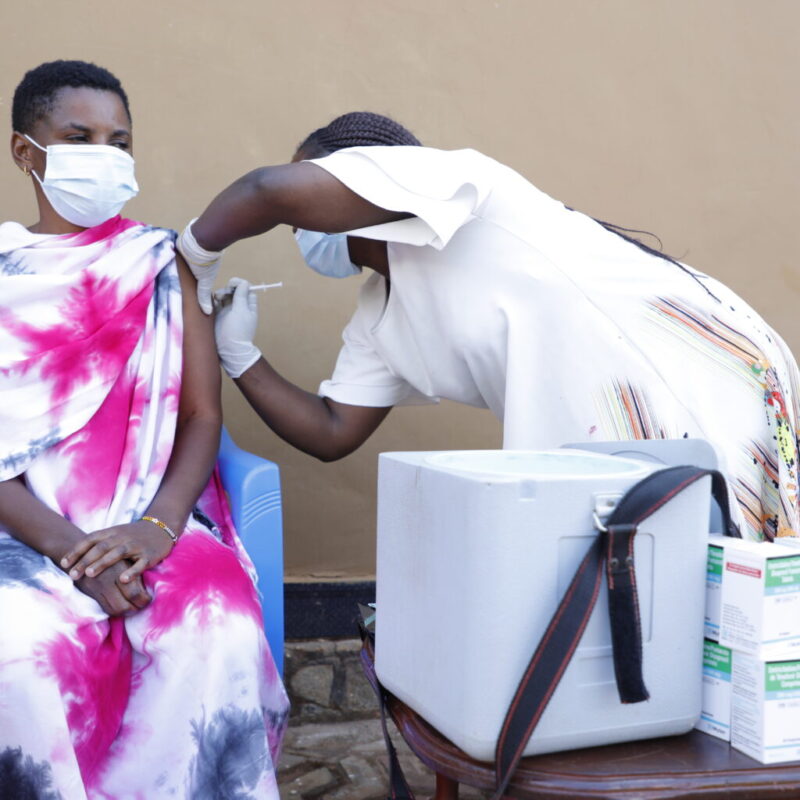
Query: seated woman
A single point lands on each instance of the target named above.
(147, 674)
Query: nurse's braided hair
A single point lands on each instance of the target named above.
(357, 129)
(623, 234)
(364, 129)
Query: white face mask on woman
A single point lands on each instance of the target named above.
(87, 184)
(326, 253)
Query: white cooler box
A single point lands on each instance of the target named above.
(475, 551)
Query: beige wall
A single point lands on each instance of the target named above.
(677, 116)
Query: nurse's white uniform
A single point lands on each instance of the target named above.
(502, 298)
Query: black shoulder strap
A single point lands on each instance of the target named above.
(398, 787)
(614, 546)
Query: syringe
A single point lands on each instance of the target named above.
(256, 287)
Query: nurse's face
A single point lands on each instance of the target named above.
(363, 252)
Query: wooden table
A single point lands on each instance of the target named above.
(688, 767)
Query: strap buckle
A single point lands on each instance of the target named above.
(598, 524)
(604, 507)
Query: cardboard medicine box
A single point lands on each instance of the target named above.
(716, 545)
(765, 708)
(715, 714)
(760, 598)
(789, 541)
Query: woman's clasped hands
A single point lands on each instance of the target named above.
(107, 565)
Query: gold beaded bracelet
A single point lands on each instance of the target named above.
(164, 527)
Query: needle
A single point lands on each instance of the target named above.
(257, 287)
(260, 286)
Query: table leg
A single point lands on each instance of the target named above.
(446, 788)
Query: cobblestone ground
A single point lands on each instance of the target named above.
(347, 761)
(334, 747)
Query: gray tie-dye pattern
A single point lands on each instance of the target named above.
(20, 461)
(21, 564)
(231, 755)
(22, 779)
(277, 719)
(166, 282)
(12, 264)
(167, 241)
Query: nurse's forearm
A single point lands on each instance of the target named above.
(316, 425)
(302, 195)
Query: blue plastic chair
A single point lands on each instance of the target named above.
(253, 485)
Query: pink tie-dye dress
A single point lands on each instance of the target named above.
(181, 699)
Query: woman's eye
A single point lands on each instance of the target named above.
(122, 145)
(78, 137)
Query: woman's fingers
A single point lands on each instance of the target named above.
(111, 557)
(136, 569)
(108, 595)
(101, 549)
(133, 590)
(82, 547)
(115, 603)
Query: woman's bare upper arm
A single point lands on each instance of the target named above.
(200, 382)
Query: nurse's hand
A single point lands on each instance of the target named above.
(203, 263)
(235, 326)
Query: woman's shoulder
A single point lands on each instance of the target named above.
(10, 225)
(154, 235)
(14, 235)
(118, 230)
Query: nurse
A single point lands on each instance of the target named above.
(486, 291)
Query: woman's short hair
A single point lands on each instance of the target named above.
(35, 96)
(357, 129)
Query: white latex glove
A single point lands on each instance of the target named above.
(235, 327)
(203, 263)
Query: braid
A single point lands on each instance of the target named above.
(623, 233)
(357, 129)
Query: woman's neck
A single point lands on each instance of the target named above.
(50, 222)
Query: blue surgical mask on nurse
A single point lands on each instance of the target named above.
(326, 253)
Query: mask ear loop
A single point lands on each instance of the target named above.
(29, 170)
(35, 143)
